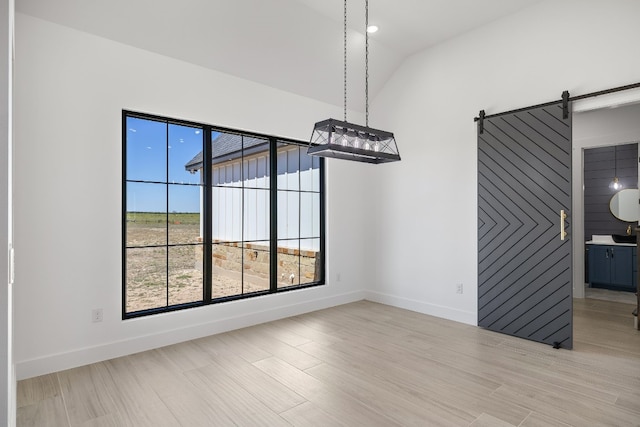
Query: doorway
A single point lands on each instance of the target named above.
(603, 126)
(610, 123)
(610, 212)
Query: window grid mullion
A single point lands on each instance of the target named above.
(166, 145)
(242, 214)
(299, 216)
(273, 215)
(207, 213)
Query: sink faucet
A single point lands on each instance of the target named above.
(629, 231)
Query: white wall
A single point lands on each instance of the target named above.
(430, 198)
(606, 126)
(70, 88)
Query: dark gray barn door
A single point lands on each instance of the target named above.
(524, 264)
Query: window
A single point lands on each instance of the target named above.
(298, 215)
(197, 232)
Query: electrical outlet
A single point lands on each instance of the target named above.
(459, 288)
(96, 315)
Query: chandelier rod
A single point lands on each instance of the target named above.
(345, 60)
(366, 62)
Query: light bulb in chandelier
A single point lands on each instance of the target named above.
(616, 184)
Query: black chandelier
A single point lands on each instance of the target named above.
(343, 140)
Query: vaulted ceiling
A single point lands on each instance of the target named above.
(292, 45)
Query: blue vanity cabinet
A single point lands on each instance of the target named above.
(621, 266)
(599, 264)
(613, 267)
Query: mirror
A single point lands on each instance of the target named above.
(625, 205)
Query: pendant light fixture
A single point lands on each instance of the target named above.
(344, 140)
(615, 184)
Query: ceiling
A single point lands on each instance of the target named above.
(292, 45)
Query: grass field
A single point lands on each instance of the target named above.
(161, 217)
(151, 228)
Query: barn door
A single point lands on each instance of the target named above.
(524, 260)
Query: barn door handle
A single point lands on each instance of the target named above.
(563, 216)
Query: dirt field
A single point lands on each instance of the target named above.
(147, 272)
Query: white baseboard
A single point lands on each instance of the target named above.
(468, 317)
(84, 356)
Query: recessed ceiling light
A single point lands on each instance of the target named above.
(372, 29)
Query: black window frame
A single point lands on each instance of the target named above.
(274, 142)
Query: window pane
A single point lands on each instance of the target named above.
(227, 174)
(145, 197)
(146, 214)
(288, 167)
(282, 167)
(185, 274)
(249, 172)
(227, 214)
(216, 176)
(256, 170)
(310, 261)
(264, 172)
(309, 215)
(184, 214)
(256, 267)
(288, 214)
(256, 162)
(256, 215)
(309, 172)
(185, 154)
(288, 263)
(227, 270)
(226, 151)
(293, 168)
(146, 150)
(146, 278)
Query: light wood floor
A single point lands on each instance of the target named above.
(361, 364)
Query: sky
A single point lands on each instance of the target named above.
(148, 143)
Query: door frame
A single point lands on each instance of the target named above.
(611, 100)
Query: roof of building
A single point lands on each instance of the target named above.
(228, 146)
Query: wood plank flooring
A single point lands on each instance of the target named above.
(360, 364)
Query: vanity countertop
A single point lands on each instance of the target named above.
(591, 242)
(606, 240)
